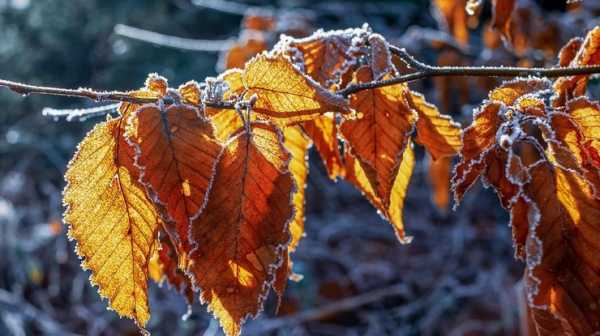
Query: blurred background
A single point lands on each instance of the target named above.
(459, 275)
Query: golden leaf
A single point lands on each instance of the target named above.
(176, 151)
(390, 206)
(439, 178)
(323, 131)
(437, 132)
(452, 17)
(284, 94)
(588, 54)
(112, 220)
(244, 228)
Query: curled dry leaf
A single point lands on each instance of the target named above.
(176, 151)
(112, 220)
(243, 229)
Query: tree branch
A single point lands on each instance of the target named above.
(99, 96)
(428, 71)
(171, 41)
(422, 71)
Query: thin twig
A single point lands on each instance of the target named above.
(428, 71)
(171, 41)
(266, 326)
(99, 96)
(423, 71)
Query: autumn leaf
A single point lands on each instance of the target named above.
(439, 178)
(561, 272)
(163, 267)
(323, 131)
(112, 220)
(501, 15)
(480, 137)
(452, 17)
(588, 54)
(324, 56)
(362, 176)
(243, 229)
(284, 94)
(297, 143)
(176, 151)
(437, 132)
(242, 51)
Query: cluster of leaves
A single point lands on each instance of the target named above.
(204, 189)
(212, 198)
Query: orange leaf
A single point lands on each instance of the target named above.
(324, 56)
(439, 178)
(112, 220)
(478, 139)
(437, 132)
(563, 259)
(241, 233)
(164, 266)
(176, 151)
(502, 11)
(452, 17)
(323, 131)
(588, 54)
(242, 51)
(284, 94)
(391, 206)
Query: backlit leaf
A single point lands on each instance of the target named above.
(438, 133)
(112, 220)
(176, 152)
(362, 176)
(243, 230)
(284, 93)
(323, 131)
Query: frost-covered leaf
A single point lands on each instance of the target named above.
(284, 94)
(391, 206)
(112, 220)
(243, 229)
(176, 150)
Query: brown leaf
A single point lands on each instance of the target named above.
(164, 267)
(391, 206)
(439, 178)
(437, 132)
(323, 131)
(324, 56)
(588, 54)
(243, 230)
(176, 151)
(452, 17)
(502, 12)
